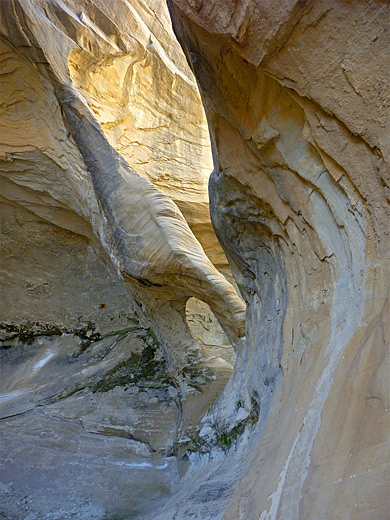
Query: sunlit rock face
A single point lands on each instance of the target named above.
(59, 166)
(143, 94)
(297, 99)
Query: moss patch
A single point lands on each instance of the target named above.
(29, 331)
(225, 438)
(144, 369)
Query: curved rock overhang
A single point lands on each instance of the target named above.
(296, 96)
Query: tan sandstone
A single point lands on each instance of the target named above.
(107, 243)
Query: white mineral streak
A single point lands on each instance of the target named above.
(42, 362)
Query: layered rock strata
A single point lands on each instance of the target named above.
(297, 99)
(100, 347)
(83, 145)
(296, 96)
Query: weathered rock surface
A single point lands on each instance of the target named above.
(143, 94)
(109, 384)
(148, 239)
(94, 258)
(297, 98)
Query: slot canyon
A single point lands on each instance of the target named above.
(195, 259)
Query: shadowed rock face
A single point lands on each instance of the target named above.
(297, 99)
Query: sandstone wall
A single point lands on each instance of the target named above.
(109, 383)
(103, 362)
(297, 99)
(144, 96)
